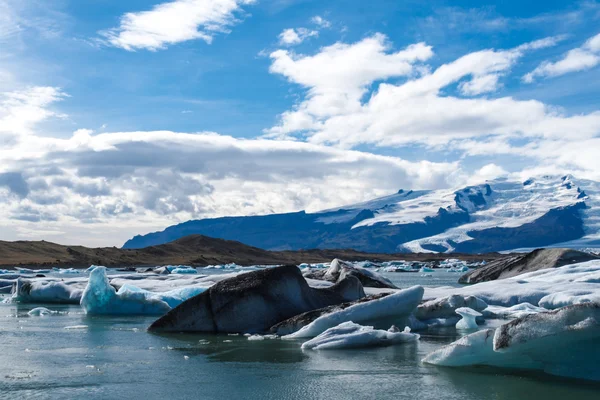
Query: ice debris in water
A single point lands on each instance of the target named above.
(349, 335)
(76, 327)
(468, 318)
(262, 337)
(41, 311)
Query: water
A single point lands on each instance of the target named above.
(114, 357)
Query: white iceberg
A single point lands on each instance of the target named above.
(99, 297)
(386, 310)
(184, 270)
(468, 318)
(348, 335)
(45, 291)
(563, 342)
(41, 312)
(548, 288)
(516, 311)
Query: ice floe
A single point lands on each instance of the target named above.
(386, 310)
(562, 342)
(349, 335)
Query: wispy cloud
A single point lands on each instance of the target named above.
(581, 58)
(291, 37)
(174, 22)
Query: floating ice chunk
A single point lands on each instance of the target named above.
(262, 337)
(516, 311)
(69, 271)
(445, 307)
(548, 288)
(349, 335)
(76, 327)
(476, 349)
(562, 342)
(468, 318)
(100, 297)
(389, 309)
(44, 291)
(426, 269)
(185, 270)
(40, 312)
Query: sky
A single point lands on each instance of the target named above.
(124, 117)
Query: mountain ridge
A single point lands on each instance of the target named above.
(498, 215)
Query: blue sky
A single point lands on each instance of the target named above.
(117, 118)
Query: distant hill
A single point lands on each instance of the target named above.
(194, 250)
(496, 216)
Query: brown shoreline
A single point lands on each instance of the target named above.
(194, 250)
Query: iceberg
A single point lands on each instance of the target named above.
(184, 270)
(389, 309)
(445, 307)
(44, 291)
(516, 311)
(348, 335)
(339, 269)
(41, 312)
(547, 288)
(99, 297)
(563, 342)
(468, 318)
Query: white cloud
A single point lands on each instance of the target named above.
(338, 76)
(291, 37)
(419, 110)
(487, 172)
(320, 21)
(21, 110)
(174, 22)
(578, 59)
(139, 181)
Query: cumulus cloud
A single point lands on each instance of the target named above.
(338, 76)
(174, 22)
(420, 110)
(578, 59)
(291, 37)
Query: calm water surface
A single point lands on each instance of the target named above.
(114, 357)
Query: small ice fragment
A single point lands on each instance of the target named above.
(468, 318)
(76, 327)
(40, 312)
(256, 337)
(227, 341)
(186, 357)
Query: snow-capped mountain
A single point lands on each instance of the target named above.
(495, 216)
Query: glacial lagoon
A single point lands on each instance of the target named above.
(73, 355)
